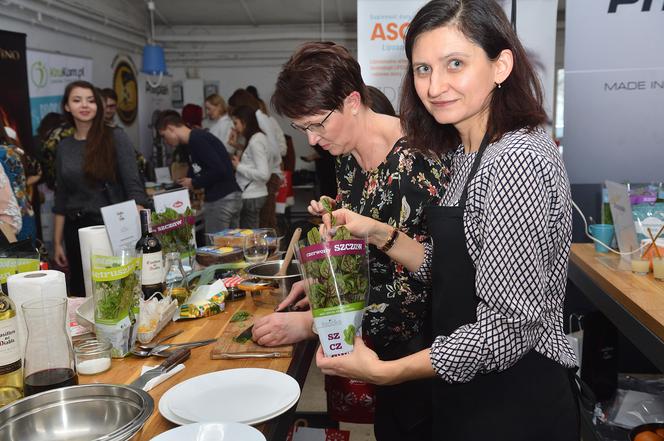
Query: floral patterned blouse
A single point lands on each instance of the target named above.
(13, 166)
(396, 192)
(10, 213)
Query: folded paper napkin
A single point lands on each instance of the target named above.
(160, 379)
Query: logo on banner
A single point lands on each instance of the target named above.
(39, 74)
(9, 54)
(126, 86)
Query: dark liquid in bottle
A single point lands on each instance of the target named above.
(48, 379)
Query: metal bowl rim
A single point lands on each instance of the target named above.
(249, 269)
(129, 428)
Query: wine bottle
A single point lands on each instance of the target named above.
(152, 268)
(11, 365)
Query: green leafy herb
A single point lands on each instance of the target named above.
(240, 316)
(327, 205)
(177, 240)
(336, 280)
(349, 334)
(242, 339)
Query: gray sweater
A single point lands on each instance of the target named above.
(74, 193)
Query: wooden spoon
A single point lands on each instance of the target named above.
(289, 252)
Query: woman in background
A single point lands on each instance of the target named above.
(220, 124)
(251, 166)
(95, 167)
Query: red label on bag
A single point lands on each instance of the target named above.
(174, 225)
(332, 248)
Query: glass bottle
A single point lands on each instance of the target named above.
(176, 278)
(11, 365)
(49, 357)
(152, 268)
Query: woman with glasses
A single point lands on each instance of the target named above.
(321, 89)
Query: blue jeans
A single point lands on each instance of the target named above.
(223, 213)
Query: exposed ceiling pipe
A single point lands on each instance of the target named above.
(65, 18)
(248, 12)
(289, 35)
(66, 31)
(322, 20)
(95, 16)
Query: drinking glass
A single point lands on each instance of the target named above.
(256, 247)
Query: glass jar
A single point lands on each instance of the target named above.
(49, 358)
(92, 356)
(176, 278)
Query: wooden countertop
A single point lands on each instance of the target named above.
(124, 371)
(642, 296)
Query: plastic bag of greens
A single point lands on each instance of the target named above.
(116, 288)
(336, 274)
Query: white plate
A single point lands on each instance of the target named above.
(211, 432)
(167, 413)
(247, 395)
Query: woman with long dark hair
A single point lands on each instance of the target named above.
(252, 165)
(500, 238)
(95, 167)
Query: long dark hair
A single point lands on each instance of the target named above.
(517, 104)
(99, 161)
(248, 117)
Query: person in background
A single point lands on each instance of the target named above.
(211, 170)
(14, 160)
(220, 123)
(111, 120)
(10, 212)
(278, 148)
(192, 115)
(501, 366)
(110, 107)
(251, 166)
(53, 128)
(326, 178)
(321, 89)
(95, 167)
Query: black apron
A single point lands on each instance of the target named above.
(532, 400)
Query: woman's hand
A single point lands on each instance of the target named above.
(296, 298)
(282, 328)
(235, 160)
(362, 364)
(358, 225)
(59, 256)
(316, 208)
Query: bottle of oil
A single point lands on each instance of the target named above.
(11, 365)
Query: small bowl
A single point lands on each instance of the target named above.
(86, 412)
(643, 427)
(266, 271)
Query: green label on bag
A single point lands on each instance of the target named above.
(324, 312)
(11, 265)
(107, 273)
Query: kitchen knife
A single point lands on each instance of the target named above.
(173, 360)
(245, 335)
(235, 355)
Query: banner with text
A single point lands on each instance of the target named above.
(614, 91)
(151, 101)
(49, 74)
(381, 26)
(14, 112)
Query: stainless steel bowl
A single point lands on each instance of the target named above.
(91, 412)
(282, 284)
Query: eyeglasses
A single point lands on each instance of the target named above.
(318, 128)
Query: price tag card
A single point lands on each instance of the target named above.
(122, 224)
(177, 200)
(163, 175)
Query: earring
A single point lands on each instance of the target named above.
(499, 85)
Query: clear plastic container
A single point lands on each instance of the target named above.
(92, 356)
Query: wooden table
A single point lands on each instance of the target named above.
(124, 371)
(633, 303)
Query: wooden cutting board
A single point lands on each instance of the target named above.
(226, 344)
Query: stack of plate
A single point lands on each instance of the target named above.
(212, 432)
(248, 396)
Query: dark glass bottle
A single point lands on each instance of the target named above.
(152, 268)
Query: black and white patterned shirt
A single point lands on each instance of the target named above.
(518, 223)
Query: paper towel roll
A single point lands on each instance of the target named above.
(31, 286)
(92, 238)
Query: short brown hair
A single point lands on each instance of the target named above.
(317, 77)
(517, 104)
(169, 118)
(243, 98)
